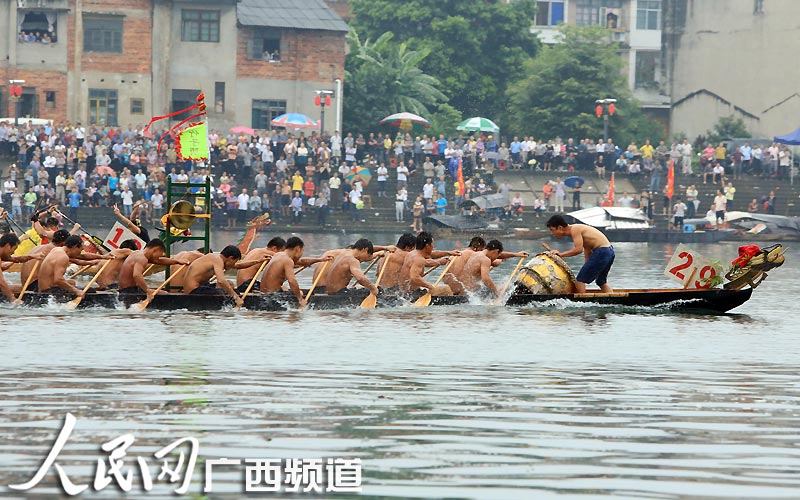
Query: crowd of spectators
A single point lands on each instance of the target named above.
(304, 178)
(36, 37)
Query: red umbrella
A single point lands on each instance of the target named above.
(241, 129)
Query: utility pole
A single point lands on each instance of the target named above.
(15, 92)
(605, 108)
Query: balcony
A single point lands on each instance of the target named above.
(42, 56)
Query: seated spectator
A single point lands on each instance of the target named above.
(539, 207)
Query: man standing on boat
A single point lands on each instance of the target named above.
(597, 250)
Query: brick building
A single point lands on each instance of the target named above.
(116, 62)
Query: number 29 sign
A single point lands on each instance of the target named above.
(691, 269)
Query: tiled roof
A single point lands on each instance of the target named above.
(299, 14)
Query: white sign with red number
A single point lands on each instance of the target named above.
(120, 233)
(691, 269)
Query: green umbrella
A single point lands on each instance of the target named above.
(478, 124)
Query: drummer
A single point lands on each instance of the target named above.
(597, 250)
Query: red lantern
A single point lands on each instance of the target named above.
(327, 100)
(16, 91)
(316, 100)
(611, 109)
(598, 111)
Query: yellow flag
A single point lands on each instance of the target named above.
(193, 142)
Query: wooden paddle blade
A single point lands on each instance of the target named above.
(424, 301)
(369, 302)
(73, 304)
(140, 306)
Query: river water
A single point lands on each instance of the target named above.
(474, 401)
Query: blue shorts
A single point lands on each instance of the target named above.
(597, 266)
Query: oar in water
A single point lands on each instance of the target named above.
(425, 300)
(73, 304)
(314, 285)
(252, 282)
(28, 282)
(141, 306)
(371, 300)
(503, 290)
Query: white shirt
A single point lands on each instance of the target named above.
(427, 191)
(157, 199)
(402, 173)
(127, 198)
(382, 173)
(243, 199)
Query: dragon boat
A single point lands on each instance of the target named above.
(544, 280)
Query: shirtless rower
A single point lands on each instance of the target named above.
(415, 262)
(454, 277)
(281, 269)
(597, 251)
(199, 273)
(476, 272)
(245, 276)
(177, 271)
(41, 251)
(110, 275)
(347, 265)
(8, 245)
(131, 275)
(394, 261)
(51, 274)
(323, 280)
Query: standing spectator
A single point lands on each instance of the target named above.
(383, 175)
(254, 205)
(730, 191)
(74, 203)
(157, 202)
(678, 211)
(560, 194)
(402, 175)
(297, 208)
(30, 202)
(720, 203)
(399, 206)
(127, 201)
(242, 201)
(322, 204)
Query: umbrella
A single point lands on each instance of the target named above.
(294, 120)
(574, 182)
(362, 173)
(104, 170)
(405, 121)
(478, 124)
(241, 129)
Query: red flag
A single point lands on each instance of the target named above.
(671, 180)
(611, 189)
(460, 177)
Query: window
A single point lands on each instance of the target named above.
(137, 106)
(103, 107)
(38, 26)
(647, 63)
(182, 99)
(102, 34)
(264, 111)
(200, 25)
(587, 12)
(758, 7)
(648, 15)
(49, 99)
(549, 13)
(265, 47)
(219, 97)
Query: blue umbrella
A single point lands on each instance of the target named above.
(574, 182)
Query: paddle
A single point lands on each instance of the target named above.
(372, 300)
(298, 271)
(429, 271)
(314, 285)
(80, 271)
(12, 221)
(28, 282)
(73, 304)
(97, 241)
(503, 290)
(141, 306)
(547, 247)
(252, 282)
(425, 300)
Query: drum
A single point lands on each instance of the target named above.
(545, 274)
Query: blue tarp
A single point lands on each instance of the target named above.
(792, 139)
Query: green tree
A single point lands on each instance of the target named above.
(476, 48)
(557, 96)
(727, 127)
(445, 121)
(384, 78)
